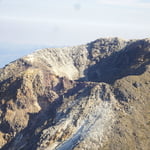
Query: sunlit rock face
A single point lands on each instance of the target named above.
(88, 97)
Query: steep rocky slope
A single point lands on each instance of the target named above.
(93, 96)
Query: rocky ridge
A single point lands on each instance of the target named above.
(93, 96)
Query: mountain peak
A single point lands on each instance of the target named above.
(92, 96)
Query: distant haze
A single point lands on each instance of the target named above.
(28, 25)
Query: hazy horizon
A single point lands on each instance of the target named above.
(29, 25)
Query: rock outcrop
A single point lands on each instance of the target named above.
(93, 96)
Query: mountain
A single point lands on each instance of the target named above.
(88, 97)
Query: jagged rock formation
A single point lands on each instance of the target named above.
(93, 96)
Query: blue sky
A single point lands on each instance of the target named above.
(26, 25)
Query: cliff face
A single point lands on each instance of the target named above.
(93, 96)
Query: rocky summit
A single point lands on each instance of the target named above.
(88, 97)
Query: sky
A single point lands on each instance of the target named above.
(27, 25)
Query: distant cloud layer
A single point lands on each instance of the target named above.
(71, 22)
(131, 3)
